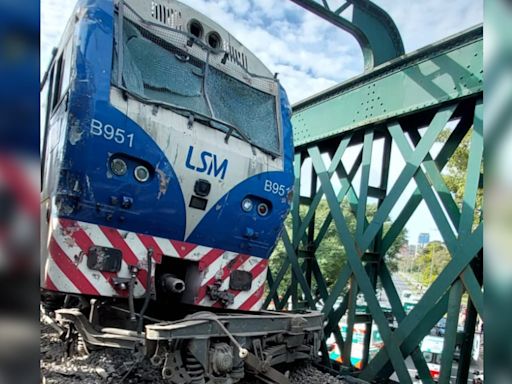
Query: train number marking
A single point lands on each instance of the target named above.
(108, 132)
(209, 163)
(275, 188)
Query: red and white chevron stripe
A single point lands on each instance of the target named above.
(67, 271)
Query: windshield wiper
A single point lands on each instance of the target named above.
(242, 135)
(214, 123)
(221, 125)
(229, 133)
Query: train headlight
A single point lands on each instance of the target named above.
(214, 40)
(262, 209)
(247, 205)
(141, 174)
(118, 167)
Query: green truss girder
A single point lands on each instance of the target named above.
(374, 30)
(463, 244)
(454, 301)
(446, 71)
(428, 89)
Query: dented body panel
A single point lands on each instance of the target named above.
(126, 172)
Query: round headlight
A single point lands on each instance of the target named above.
(247, 205)
(141, 174)
(118, 167)
(263, 209)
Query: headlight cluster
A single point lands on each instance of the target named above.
(262, 208)
(247, 205)
(119, 168)
(141, 174)
(213, 39)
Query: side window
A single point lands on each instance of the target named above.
(44, 111)
(57, 74)
(66, 68)
(61, 75)
(45, 100)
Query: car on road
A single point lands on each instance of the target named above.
(478, 377)
(440, 328)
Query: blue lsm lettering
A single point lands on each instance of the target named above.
(209, 164)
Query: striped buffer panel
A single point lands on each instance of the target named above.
(69, 246)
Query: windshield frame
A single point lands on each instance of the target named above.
(231, 129)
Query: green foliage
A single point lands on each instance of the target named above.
(392, 259)
(331, 254)
(456, 170)
(431, 261)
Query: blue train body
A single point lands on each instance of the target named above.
(119, 163)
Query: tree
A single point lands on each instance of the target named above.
(391, 257)
(431, 261)
(455, 172)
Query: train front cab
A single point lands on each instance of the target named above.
(111, 254)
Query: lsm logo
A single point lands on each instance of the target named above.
(209, 163)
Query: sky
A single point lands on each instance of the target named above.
(309, 54)
(321, 55)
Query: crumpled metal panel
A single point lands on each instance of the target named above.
(179, 80)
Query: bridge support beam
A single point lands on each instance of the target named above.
(418, 109)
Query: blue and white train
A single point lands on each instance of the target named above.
(167, 176)
(162, 130)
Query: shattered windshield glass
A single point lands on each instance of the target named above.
(156, 70)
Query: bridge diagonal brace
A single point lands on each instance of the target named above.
(346, 188)
(296, 269)
(468, 276)
(413, 163)
(440, 161)
(397, 308)
(277, 281)
(423, 308)
(357, 267)
(318, 197)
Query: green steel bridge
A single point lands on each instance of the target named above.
(405, 101)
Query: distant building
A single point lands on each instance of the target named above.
(412, 250)
(404, 251)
